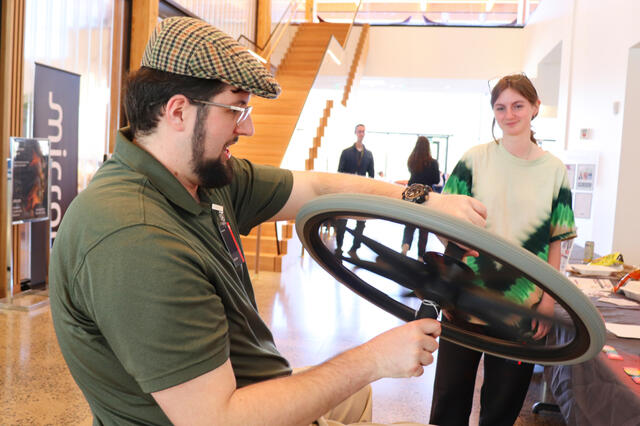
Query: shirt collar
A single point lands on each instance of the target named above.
(138, 159)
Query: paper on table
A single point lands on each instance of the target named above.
(619, 302)
(594, 270)
(593, 287)
(624, 330)
(631, 290)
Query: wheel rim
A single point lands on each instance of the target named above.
(587, 327)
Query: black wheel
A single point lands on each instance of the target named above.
(482, 319)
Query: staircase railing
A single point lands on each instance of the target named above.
(324, 121)
(353, 20)
(359, 56)
(298, 149)
(265, 52)
(276, 34)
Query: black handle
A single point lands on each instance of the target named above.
(455, 251)
(428, 309)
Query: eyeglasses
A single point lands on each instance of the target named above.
(244, 112)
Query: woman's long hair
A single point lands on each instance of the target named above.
(521, 84)
(420, 157)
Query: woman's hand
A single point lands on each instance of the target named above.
(461, 206)
(545, 307)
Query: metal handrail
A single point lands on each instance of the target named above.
(344, 45)
(275, 224)
(276, 29)
(273, 45)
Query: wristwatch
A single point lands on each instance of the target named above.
(416, 193)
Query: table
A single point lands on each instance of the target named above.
(599, 392)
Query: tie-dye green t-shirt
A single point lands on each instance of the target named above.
(528, 203)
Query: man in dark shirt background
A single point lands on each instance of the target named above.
(356, 160)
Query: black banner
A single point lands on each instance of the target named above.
(56, 99)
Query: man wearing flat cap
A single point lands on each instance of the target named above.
(151, 298)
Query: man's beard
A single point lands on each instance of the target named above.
(210, 173)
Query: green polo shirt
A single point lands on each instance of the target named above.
(144, 294)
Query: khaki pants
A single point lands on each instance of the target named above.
(354, 410)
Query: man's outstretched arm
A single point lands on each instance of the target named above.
(213, 398)
(309, 185)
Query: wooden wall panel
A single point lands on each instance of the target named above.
(11, 74)
(119, 63)
(263, 23)
(144, 17)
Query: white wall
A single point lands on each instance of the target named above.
(435, 81)
(596, 39)
(627, 229)
(463, 114)
(428, 52)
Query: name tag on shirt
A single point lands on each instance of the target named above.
(229, 239)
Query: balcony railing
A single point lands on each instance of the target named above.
(476, 13)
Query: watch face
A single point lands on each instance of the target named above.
(415, 193)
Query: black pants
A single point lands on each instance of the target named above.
(503, 391)
(423, 236)
(340, 230)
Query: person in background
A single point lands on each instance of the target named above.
(424, 169)
(356, 160)
(528, 201)
(151, 297)
(440, 185)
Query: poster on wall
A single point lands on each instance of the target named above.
(582, 205)
(30, 168)
(56, 101)
(585, 177)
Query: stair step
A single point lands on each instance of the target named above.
(306, 49)
(267, 229)
(306, 64)
(269, 259)
(275, 120)
(268, 262)
(267, 244)
(301, 71)
(267, 128)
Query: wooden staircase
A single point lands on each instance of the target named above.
(357, 65)
(317, 140)
(273, 246)
(354, 75)
(275, 121)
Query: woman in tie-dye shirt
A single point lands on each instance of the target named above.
(528, 200)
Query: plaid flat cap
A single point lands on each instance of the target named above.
(191, 47)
